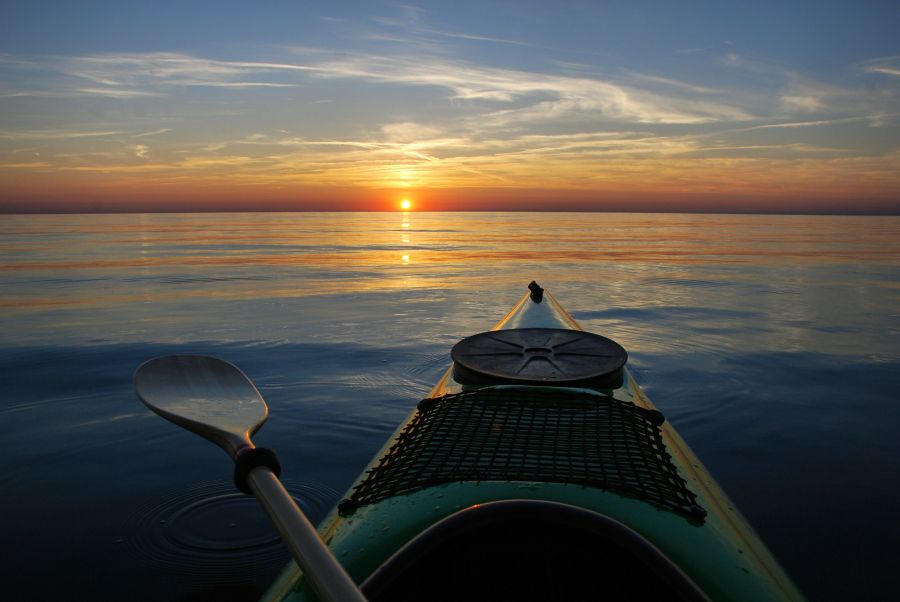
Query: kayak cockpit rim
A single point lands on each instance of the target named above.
(585, 551)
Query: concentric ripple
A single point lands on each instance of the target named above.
(211, 533)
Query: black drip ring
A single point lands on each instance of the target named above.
(249, 458)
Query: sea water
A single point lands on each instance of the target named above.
(771, 343)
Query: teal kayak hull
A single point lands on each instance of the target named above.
(721, 554)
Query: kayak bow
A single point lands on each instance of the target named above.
(537, 469)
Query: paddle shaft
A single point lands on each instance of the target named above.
(328, 577)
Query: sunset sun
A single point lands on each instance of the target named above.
(406, 204)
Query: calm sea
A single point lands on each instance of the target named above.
(771, 343)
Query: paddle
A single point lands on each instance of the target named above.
(217, 401)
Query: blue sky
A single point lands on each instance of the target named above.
(569, 103)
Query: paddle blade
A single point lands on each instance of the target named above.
(205, 395)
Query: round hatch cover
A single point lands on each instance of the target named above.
(543, 356)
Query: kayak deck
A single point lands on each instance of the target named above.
(694, 525)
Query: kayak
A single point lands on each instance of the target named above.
(537, 469)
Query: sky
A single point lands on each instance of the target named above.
(608, 105)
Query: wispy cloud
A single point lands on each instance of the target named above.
(887, 65)
(414, 28)
(238, 84)
(28, 165)
(113, 92)
(33, 94)
(54, 134)
(604, 99)
(895, 71)
(476, 38)
(674, 83)
(134, 75)
(529, 95)
(152, 133)
(803, 124)
(801, 95)
(171, 68)
(802, 103)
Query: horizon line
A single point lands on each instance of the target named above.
(863, 213)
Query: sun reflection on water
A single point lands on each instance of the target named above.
(404, 237)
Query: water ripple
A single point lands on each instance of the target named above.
(693, 283)
(210, 532)
(430, 367)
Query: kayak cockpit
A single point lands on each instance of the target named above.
(528, 550)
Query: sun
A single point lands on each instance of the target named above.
(406, 204)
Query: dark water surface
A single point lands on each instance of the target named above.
(771, 343)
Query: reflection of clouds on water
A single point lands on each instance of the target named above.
(208, 276)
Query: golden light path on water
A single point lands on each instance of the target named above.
(457, 247)
(605, 260)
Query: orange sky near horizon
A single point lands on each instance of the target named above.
(763, 186)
